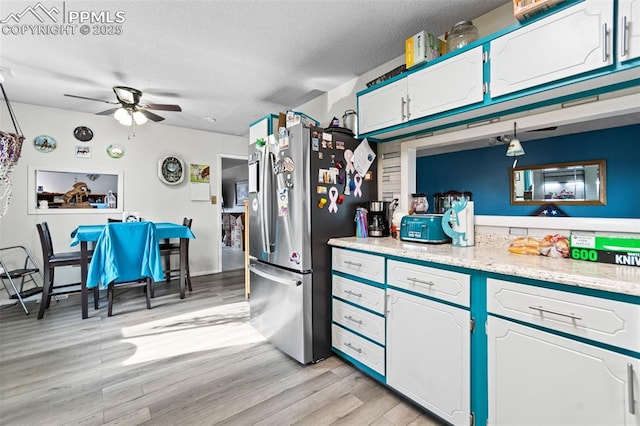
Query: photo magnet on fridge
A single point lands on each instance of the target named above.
(315, 144)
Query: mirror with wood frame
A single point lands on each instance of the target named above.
(575, 183)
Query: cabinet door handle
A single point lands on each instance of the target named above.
(351, 293)
(623, 47)
(402, 104)
(415, 280)
(550, 311)
(632, 401)
(408, 108)
(352, 319)
(349, 345)
(605, 41)
(357, 265)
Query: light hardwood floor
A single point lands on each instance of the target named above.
(195, 361)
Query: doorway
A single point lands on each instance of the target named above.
(234, 173)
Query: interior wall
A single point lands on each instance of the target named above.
(229, 178)
(485, 172)
(143, 191)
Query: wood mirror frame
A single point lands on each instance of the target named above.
(574, 183)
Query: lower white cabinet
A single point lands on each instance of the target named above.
(539, 378)
(428, 354)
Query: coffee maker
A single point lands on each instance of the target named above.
(377, 219)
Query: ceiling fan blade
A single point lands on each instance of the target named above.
(151, 116)
(108, 111)
(92, 99)
(163, 107)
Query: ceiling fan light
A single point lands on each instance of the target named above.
(123, 116)
(139, 117)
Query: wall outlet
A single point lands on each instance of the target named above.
(214, 199)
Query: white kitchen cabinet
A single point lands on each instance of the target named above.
(449, 84)
(383, 107)
(573, 41)
(628, 29)
(428, 354)
(452, 83)
(362, 265)
(539, 378)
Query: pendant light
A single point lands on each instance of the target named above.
(515, 147)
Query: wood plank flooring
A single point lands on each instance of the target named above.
(195, 361)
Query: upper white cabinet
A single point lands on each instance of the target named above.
(572, 41)
(383, 107)
(449, 84)
(628, 29)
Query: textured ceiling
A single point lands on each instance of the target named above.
(235, 61)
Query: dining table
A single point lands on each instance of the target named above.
(84, 234)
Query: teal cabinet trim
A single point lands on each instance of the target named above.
(479, 359)
(611, 348)
(620, 297)
(423, 296)
(364, 308)
(598, 77)
(374, 374)
(357, 278)
(350, 330)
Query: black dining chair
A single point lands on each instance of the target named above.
(126, 255)
(52, 260)
(168, 249)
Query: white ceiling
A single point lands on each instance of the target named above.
(233, 60)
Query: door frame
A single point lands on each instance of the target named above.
(218, 219)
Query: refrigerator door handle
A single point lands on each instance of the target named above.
(274, 278)
(265, 221)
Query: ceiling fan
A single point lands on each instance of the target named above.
(131, 111)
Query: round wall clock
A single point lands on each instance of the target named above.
(171, 170)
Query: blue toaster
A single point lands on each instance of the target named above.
(423, 228)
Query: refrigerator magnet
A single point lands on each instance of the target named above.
(320, 156)
(322, 203)
(315, 144)
(340, 145)
(340, 199)
(288, 164)
(321, 189)
(283, 202)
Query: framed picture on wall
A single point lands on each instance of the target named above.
(242, 191)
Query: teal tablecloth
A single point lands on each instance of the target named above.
(163, 230)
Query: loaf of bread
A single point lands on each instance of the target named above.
(555, 246)
(525, 245)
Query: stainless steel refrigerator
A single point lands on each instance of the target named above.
(300, 195)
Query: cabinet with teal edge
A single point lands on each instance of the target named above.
(619, 353)
(358, 310)
(587, 65)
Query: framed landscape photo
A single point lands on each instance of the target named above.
(242, 191)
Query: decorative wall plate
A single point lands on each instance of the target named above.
(115, 151)
(83, 133)
(44, 143)
(171, 169)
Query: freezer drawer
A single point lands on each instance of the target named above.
(280, 309)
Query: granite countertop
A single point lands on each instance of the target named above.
(491, 255)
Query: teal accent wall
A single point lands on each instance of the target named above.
(485, 172)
